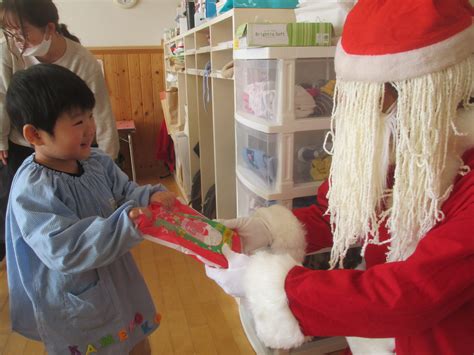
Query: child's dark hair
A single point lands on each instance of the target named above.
(40, 94)
(36, 12)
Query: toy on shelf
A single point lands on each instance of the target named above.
(320, 161)
(263, 164)
(186, 230)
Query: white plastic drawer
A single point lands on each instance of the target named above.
(257, 155)
(248, 201)
(283, 90)
(281, 162)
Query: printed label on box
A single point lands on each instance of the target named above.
(270, 34)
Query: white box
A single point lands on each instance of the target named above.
(291, 164)
(281, 91)
(183, 25)
(248, 201)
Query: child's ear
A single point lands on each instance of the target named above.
(32, 135)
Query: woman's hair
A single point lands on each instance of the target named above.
(40, 94)
(36, 12)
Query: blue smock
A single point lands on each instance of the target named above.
(73, 283)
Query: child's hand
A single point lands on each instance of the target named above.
(164, 198)
(136, 212)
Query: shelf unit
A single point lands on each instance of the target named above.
(212, 124)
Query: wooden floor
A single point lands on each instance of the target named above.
(197, 316)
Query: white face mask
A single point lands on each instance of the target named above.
(39, 50)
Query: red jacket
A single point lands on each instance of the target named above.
(426, 302)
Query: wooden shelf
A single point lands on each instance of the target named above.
(213, 124)
(206, 49)
(223, 46)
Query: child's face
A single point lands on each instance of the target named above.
(74, 133)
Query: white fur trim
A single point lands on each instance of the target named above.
(288, 234)
(367, 346)
(264, 284)
(404, 65)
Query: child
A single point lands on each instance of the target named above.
(70, 225)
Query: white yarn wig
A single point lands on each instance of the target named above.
(416, 135)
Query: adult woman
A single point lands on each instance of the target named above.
(33, 35)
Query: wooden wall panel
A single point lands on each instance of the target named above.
(135, 78)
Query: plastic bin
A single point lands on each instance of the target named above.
(334, 11)
(282, 162)
(275, 4)
(248, 201)
(284, 90)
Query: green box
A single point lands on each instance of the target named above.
(300, 34)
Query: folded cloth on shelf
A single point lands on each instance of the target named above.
(261, 97)
(324, 104)
(228, 70)
(304, 102)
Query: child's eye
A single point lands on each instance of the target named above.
(78, 123)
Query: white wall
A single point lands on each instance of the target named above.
(101, 23)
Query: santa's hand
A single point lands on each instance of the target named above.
(230, 279)
(253, 232)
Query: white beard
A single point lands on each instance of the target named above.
(427, 146)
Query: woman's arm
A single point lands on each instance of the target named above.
(106, 129)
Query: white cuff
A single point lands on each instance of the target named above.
(264, 284)
(288, 234)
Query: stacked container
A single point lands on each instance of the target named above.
(283, 101)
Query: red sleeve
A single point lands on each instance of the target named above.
(392, 299)
(318, 229)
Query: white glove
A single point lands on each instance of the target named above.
(230, 279)
(253, 231)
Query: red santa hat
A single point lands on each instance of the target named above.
(387, 40)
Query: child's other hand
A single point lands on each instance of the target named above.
(164, 198)
(136, 212)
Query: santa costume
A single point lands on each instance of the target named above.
(401, 186)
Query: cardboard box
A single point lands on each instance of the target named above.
(283, 34)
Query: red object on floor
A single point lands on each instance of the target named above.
(165, 148)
